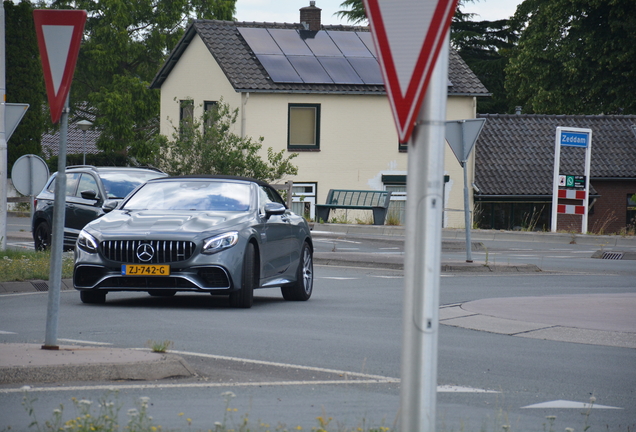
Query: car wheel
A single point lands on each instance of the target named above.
(162, 293)
(301, 289)
(42, 236)
(95, 297)
(244, 297)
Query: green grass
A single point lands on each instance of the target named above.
(29, 265)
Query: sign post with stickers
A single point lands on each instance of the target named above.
(570, 186)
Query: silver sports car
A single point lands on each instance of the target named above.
(206, 234)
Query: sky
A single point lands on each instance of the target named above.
(287, 10)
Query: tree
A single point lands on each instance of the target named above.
(207, 146)
(485, 47)
(575, 57)
(24, 82)
(125, 44)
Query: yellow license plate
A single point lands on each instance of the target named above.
(145, 270)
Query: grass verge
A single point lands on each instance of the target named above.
(23, 265)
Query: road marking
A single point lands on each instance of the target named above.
(83, 341)
(569, 404)
(6, 332)
(390, 248)
(113, 387)
(386, 277)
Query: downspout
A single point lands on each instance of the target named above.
(245, 96)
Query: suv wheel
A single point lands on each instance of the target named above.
(42, 236)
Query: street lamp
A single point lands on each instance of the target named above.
(84, 125)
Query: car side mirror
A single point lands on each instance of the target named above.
(110, 205)
(273, 208)
(89, 194)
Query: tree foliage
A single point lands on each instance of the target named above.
(24, 82)
(207, 146)
(125, 44)
(575, 57)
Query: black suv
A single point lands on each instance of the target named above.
(87, 189)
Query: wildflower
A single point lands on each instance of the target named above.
(228, 394)
(569, 429)
(85, 402)
(180, 414)
(133, 412)
(57, 411)
(551, 417)
(592, 399)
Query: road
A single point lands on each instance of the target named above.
(339, 353)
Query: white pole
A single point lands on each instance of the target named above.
(555, 179)
(422, 262)
(4, 165)
(57, 240)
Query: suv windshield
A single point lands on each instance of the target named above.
(120, 184)
(191, 195)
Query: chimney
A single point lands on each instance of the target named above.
(310, 16)
(518, 110)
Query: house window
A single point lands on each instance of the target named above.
(303, 127)
(186, 114)
(631, 210)
(208, 111)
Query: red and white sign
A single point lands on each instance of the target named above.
(571, 209)
(408, 35)
(59, 33)
(571, 194)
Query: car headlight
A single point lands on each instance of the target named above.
(87, 242)
(220, 242)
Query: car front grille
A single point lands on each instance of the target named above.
(160, 251)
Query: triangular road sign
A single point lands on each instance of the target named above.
(59, 33)
(462, 135)
(408, 35)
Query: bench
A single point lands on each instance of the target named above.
(378, 201)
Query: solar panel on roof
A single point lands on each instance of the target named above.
(322, 45)
(259, 40)
(279, 68)
(350, 44)
(310, 69)
(340, 70)
(367, 39)
(368, 69)
(290, 42)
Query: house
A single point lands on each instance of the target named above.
(514, 159)
(311, 89)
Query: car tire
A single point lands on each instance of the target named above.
(301, 289)
(244, 297)
(42, 236)
(162, 293)
(93, 297)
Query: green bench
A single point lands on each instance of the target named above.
(377, 201)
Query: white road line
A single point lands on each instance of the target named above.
(83, 341)
(113, 387)
(386, 277)
(284, 365)
(569, 404)
(6, 332)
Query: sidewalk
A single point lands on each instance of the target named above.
(592, 319)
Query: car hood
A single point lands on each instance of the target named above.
(150, 221)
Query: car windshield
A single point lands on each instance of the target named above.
(120, 184)
(204, 195)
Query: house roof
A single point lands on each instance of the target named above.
(75, 143)
(514, 154)
(246, 73)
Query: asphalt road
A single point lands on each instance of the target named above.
(338, 355)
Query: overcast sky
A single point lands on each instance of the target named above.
(287, 10)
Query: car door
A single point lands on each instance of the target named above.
(276, 233)
(84, 204)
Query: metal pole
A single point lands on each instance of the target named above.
(469, 243)
(57, 241)
(422, 262)
(84, 147)
(4, 165)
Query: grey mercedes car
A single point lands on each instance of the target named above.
(205, 234)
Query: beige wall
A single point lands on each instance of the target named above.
(358, 140)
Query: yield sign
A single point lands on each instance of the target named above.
(59, 35)
(408, 36)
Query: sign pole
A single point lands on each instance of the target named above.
(4, 166)
(422, 262)
(469, 243)
(57, 240)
